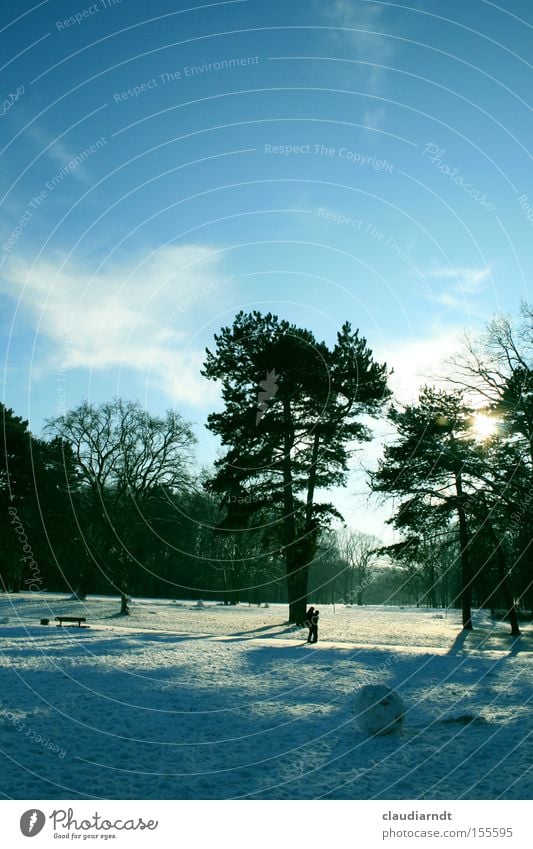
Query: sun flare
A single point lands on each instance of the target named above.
(483, 426)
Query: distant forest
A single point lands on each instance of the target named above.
(110, 500)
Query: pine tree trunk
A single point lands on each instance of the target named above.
(466, 588)
(504, 582)
(464, 542)
(297, 600)
(297, 578)
(124, 609)
(297, 611)
(503, 574)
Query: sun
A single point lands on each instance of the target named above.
(483, 426)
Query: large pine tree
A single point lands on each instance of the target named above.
(291, 418)
(437, 467)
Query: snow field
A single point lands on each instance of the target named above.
(175, 702)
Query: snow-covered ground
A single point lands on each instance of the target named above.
(217, 703)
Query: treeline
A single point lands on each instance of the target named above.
(111, 504)
(110, 500)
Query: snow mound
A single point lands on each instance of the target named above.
(379, 710)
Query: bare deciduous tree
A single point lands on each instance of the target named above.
(359, 551)
(124, 456)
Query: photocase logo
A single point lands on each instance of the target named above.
(269, 387)
(32, 822)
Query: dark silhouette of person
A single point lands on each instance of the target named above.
(309, 622)
(314, 626)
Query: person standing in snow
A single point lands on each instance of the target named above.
(314, 626)
(309, 622)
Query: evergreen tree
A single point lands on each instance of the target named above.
(498, 369)
(37, 503)
(17, 496)
(435, 465)
(291, 418)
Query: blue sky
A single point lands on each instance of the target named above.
(165, 165)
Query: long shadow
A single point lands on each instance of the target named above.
(521, 644)
(459, 642)
(259, 630)
(269, 657)
(240, 636)
(183, 755)
(92, 643)
(517, 645)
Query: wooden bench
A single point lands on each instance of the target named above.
(78, 619)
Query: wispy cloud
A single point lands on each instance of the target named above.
(374, 119)
(365, 33)
(59, 152)
(465, 281)
(468, 279)
(420, 361)
(137, 314)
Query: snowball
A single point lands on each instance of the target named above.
(379, 710)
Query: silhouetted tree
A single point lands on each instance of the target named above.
(127, 460)
(436, 464)
(290, 421)
(498, 368)
(17, 494)
(37, 527)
